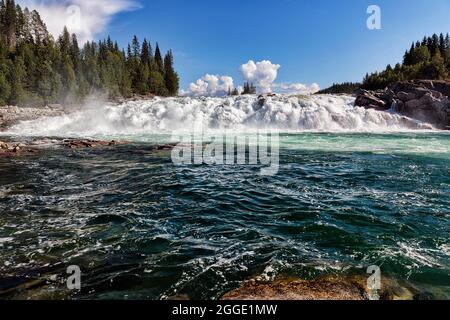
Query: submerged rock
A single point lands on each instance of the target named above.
(15, 149)
(324, 288)
(424, 100)
(86, 143)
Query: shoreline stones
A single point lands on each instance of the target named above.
(14, 149)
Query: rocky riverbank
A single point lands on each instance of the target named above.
(11, 115)
(24, 148)
(424, 100)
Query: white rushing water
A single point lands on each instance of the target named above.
(321, 113)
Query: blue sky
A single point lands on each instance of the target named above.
(320, 41)
(313, 41)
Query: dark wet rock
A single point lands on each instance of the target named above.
(15, 149)
(262, 99)
(261, 102)
(325, 288)
(165, 147)
(89, 144)
(11, 149)
(424, 100)
(371, 100)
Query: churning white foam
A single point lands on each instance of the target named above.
(323, 113)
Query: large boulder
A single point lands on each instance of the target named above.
(371, 100)
(424, 100)
(324, 288)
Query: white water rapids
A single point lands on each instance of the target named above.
(320, 113)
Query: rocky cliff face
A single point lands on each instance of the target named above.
(424, 100)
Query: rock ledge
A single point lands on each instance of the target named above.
(424, 100)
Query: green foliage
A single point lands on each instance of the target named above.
(428, 59)
(36, 70)
(344, 88)
(5, 88)
(170, 76)
(158, 59)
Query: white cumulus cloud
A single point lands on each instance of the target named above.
(210, 85)
(262, 74)
(295, 88)
(85, 18)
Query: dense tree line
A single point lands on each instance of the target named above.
(37, 70)
(344, 88)
(428, 59)
(249, 88)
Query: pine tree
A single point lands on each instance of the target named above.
(145, 53)
(75, 53)
(424, 41)
(109, 44)
(136, 48)
(129, 54)
(170, 76)
(435, 44)
(407, 60)
(64, 42)
(10, 22)
(442, 45)
(159, 60)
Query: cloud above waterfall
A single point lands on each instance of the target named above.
(85, 18)
(210, 85)
(295, 88)
(262, 74)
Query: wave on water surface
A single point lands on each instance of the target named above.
(320, 113)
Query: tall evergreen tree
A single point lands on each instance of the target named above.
(136, 48)
(64, 42)
(170, 76)
(10, 23)
(75, 53)
(442, 46)
(158, 59)
(145, 53)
